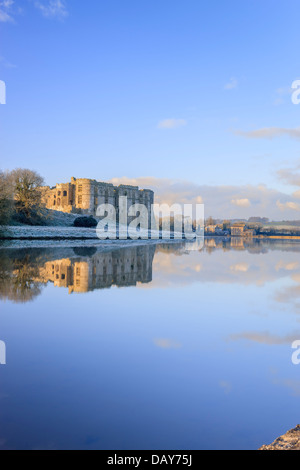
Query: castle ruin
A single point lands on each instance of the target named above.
(83, 196)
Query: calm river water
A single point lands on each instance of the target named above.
(149, 346)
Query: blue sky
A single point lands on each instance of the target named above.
(187, 94)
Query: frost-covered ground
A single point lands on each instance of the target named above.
(19, 232)
(48, 237)
(58, 218)
(33, 232)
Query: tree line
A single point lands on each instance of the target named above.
(21, 197)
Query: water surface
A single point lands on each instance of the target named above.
(149, 346)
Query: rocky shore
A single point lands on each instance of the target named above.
(289, 441)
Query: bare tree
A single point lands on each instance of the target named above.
(210, 221)
(27, 195)
(6, 198)
(226, 224)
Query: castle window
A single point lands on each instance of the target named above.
(79, 199)
(65, 193)
(54, 202)
(80, 188)
(63, 276)
(58, 201)
(77, 271)
(59, 193)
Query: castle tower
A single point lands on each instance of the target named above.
(84, 195)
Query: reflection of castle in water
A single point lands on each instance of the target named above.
(124, 267)
(23, 272)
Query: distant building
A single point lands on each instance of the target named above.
(216, 230)
(242, 230)
(238, 229)
(249, 233)
(211, 228)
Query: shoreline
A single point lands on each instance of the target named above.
(64, 233)
(257, 237)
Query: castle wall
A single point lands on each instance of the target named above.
(61, 198)
(83, 196)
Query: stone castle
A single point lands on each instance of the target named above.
(83, 196)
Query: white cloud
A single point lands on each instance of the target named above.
(288, 206)
(241, 202)
(265, 338)
(53, 8)
(270, 133)
(282, 93)
(263, 201)
(6, 64)
(49, 8)
(290, 176)
(233, 83)
(172, 123)
(6, 13)
(296, 194)
(226, 386)
(165, 343)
